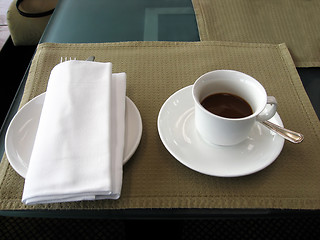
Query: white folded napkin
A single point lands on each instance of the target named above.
(78, 150)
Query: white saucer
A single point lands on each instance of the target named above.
(22, 130)
(179, 136)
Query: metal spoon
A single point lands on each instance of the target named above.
(292, 136)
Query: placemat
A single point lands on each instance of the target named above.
(294, 22)
(152, 177)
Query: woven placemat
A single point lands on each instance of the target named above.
(294, 22)
(152, 177)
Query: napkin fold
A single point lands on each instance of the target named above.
(78, 150)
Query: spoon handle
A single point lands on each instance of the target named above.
(292, 136)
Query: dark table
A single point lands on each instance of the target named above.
(83, 21)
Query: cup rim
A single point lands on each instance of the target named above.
(253, 115)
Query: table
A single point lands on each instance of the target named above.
(79, 22)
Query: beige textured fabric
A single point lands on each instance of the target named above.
(294, 22)
(152, 177)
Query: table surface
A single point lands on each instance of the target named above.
(123, 20)
(78, 21)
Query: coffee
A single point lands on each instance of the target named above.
(227, 105)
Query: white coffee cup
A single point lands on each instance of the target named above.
(224, 131)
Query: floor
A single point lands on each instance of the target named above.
(4, 30)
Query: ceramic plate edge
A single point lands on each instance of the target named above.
(140, 129)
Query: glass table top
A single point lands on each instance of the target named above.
(122, 20)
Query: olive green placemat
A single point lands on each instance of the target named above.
(294, 22)
(153, 178)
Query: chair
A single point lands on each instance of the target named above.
(27, 30)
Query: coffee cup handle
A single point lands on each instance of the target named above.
(269, 111)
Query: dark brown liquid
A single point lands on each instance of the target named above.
(227, 105)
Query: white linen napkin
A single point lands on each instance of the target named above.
(78, 150)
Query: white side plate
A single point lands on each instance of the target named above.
(22, 131)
